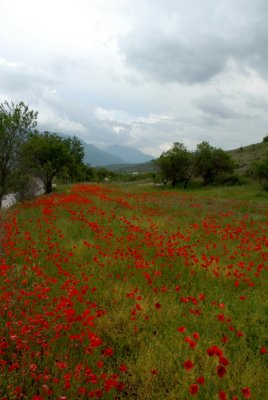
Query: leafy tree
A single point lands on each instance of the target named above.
(89, 173)
(47, 154)
(16, 123)
(101, 173)
(210, 162)
(176, 165)
(260, 171)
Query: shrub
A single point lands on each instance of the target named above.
(232, 180)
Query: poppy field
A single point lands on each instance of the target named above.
(121, 292)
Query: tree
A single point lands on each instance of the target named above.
(260, 171)
(176, 165)
(101, 173)
(88, 173)
(16, 124)
(211, 162)
(47, 154)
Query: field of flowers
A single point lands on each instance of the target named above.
(134, 293)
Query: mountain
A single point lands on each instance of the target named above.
(96, 157)
(129, 155)
(111, 155)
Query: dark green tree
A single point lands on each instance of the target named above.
(176, 165)
(101, 173)
(47, 154)
(88, 173)
(16, 124)
(260, 171)
(211, 162)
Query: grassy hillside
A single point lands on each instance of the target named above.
(149, 166)
(244, 156)
(134, 292)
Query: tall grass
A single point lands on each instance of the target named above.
(134, 292)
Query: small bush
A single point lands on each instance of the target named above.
(265, 139)
(231, 180)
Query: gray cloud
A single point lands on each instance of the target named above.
(144, 73)
(195, 48)
(215, 107)
(172, 59)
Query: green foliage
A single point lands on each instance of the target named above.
(176, 165)
(88, 173)
(101, 173)
(16, 123)
(212, 162)
(260, 171)
(265, 139)
(229, 179)
(46, 155)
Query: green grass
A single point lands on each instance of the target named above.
(129, 264)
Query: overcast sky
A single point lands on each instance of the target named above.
(144, 73)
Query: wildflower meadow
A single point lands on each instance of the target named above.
(123, 292)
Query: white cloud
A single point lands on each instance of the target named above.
(49, 119)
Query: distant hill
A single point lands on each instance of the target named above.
(245, 156)
(129, 155)
(96, 157)
(149, 166)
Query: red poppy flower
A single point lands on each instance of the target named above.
(222, 395)
(223, 361)
(221, 371)
(108, 352)
(188, 365)
(193, 389)
(123, 368)
(246, 392)
(200, 380)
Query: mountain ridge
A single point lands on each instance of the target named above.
(111, 155)
(129, 154)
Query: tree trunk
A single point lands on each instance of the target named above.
(48, 187)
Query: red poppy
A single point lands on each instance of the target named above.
(221, 371)
(123, 368)
(193, 389)
(181, 329)
(223, 361)
(188, 365)
(200, 380)
(108, 352)
(222, 395)
(246, 392)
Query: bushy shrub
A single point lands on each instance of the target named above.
(232, 180)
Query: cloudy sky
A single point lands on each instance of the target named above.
(143, 73)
